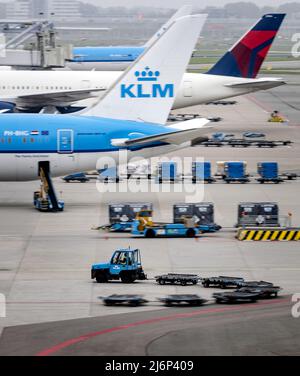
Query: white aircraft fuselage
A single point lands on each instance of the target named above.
(34, 88)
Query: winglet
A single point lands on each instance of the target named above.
(245, 58)
(146, 91)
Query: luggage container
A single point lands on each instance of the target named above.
(126, 212)
(167, 171)
(201, 171)
(221, 166)
(235, 172)
(264, 214)
(203, 214)
(269, 172)
(203, 211)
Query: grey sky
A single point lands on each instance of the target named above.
(178, 3)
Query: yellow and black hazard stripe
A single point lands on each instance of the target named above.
(269, 235)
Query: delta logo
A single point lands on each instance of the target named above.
(147, 86)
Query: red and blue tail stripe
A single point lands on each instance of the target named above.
(246, 57)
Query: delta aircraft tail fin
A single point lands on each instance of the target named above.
(246, 57)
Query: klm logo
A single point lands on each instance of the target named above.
(151, 90)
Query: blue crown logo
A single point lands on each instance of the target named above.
(147, 75)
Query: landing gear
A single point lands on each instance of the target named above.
(46, 200)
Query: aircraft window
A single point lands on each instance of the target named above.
(23, 87)
(18, 87)
(51, 87)
(47, 88)
(24, 140)
(32, 140)
(9, 140)
(13, 88)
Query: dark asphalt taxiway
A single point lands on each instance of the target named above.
(265, 328)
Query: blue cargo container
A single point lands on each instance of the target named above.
(167, 171)
(201, 171)
(235, 172)
(269, 172)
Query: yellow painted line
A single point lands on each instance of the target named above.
(267, 235)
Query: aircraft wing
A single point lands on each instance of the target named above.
(259, 84)
(59, 98)
(178, 134)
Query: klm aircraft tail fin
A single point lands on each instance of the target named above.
(183, 11)
(146, 91)
(245, 58)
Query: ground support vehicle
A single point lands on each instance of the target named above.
(45, 200)
(177, 279)
(192, 300)
(125, 265)
(262, 292)
(222, 282)
(80, 177)
(131, 300)
(235, 297)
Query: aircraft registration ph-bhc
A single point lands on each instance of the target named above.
(72, 143)
(233, 75)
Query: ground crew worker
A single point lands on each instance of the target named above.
(260, 220)
(289, 220)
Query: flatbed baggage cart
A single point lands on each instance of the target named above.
(222, 282)
(270, 292)
(235, 297)
(175, 300)
(131, 300)
(255, 284)
(177, 279)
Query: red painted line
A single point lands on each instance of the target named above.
(73, 341)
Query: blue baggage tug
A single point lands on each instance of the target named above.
(125, 265)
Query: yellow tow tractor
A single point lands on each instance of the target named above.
(144, 226)
(276, 118)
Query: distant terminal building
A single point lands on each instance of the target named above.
(64, 9)
(20, 9)
(56, 9)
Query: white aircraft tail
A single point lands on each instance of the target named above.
(146, 91)
(183, 11)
